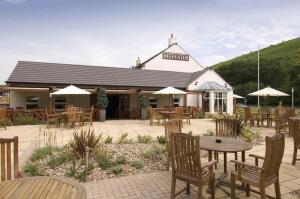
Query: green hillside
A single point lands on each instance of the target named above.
(279, 68)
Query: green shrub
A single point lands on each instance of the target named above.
(82, 140)
(120, 160)
(248, 135)
(41, 153)
(24, 120)
(32, 170)
(108, 140)
(117, 169)
(102, 100)
(142, 101)
(200, 115)
(144, 139)
(209, 132)
(154, 152)
(123, 139)
(79, 174)
(55, 161)
(162, 139)
(103, 159)
(138, 164)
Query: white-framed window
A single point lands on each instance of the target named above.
(220, 104)
(153, 102)
(176, 101)
(60, 102)
(206, 101)
(32, 102)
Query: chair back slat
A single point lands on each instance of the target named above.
(227, 127)
(273, 156)
(6, 160)
(294, 126)
(172, 126)
(248, 113)
(179, 113)
(185, 154)
(289, 112)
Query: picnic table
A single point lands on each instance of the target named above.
(41, 187)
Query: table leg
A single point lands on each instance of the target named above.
(225, 162)
(243, 160)
(209, 155)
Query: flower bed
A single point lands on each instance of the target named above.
(105, 160)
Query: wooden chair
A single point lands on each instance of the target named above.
(265, 114)
(294, 126)
(288, 113)
(179, 114)
(3, 118)
(52, 118)
(73, 116)
(281, 122)
(264, 176)
(172, 126)
(250, 117)
(88, 116)
(9, 170)
(187, 115)
(227, 127)
(186, 165)
(154, 116)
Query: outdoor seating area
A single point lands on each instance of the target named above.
(222, 161)
(70, 117)
(160, 115)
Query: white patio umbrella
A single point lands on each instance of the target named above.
(237, 96)
(268, 91)
(71, 90)
(169, 91)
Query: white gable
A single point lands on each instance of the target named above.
(208, 76)
(173, 62)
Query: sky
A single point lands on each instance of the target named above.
(114, 33)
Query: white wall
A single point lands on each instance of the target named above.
(82, 101)
(18, 98)
(158, 63)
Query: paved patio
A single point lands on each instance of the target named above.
(156, 185)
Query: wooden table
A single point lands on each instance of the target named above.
(41, 187)
(227, 145)
(167, 114)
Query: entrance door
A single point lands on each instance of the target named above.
(112, 111)
(118, 107)
(124, 107)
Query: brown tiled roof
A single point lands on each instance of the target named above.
(54, 73)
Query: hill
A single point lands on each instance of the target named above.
(279, 68)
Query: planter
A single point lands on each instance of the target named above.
(102, 115)
(143, 114)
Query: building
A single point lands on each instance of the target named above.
(31, 83)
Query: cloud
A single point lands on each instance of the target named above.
(15, 1)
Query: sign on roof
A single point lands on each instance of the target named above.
(175, 56)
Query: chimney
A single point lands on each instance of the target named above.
(171, 40)
(138, 61)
